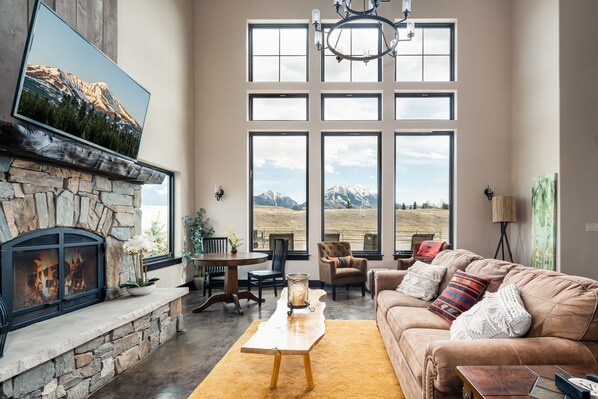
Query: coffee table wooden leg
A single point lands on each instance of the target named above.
(275, 370)
(308, 373)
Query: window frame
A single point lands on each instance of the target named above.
(432, 25)
(292, 255)
(252, 26)
(370, 255)
(323, 54)
(451, 135)
(160, 261)
(450, 95)
(278, 95)
(350, 95)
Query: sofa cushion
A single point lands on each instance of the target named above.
(500, 314)
(561, 305)
(341, 261)
(401, 319)
(422, 281)
(388, 299)
(348, 272)
(494, 269)
(462, 293)
(413, 344)
(455, 260)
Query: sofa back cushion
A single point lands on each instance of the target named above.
(455, 260)
(561, 305)
(494, 269)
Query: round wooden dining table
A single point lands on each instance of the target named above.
(231, 276)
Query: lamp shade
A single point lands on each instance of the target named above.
(503, 208)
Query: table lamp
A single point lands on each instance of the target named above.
(503, 212)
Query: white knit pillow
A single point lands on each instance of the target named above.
(499, 315)
(422, 281)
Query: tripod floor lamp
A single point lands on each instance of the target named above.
(503, 212)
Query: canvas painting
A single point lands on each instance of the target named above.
(544, 222)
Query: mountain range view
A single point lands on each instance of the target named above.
(336, 197)
(54, 84)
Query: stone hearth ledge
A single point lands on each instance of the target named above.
(33, 345)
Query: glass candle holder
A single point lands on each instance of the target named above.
(298, 290)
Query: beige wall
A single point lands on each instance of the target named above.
(578, 135)
(535, 109)
(156, 48)
(482, 137)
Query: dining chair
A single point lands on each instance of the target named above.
(212, 273)
(270, 278)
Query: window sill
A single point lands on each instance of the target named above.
(290, 255)
(162, 263)
(367, 255)
(403, 255)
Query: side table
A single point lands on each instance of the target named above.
(494, 382)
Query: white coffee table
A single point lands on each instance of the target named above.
(290, 335)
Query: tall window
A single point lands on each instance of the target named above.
(278, 107)
(278, 190)
(351, 190)
(352, 107)
(278, 53)
(423, 186)
(424, 106)
(355, 40)
(428, 56)
(157, 215)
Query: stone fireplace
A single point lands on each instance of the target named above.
(37, 196)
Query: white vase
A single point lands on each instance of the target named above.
(139, 291)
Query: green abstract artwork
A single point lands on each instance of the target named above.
(544, 222)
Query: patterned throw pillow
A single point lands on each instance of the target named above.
(342, 261)
(500, 314)
(462, 292)
(422, 281)
(428, 250)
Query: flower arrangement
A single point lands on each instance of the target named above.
(233, 239)
(137, 247)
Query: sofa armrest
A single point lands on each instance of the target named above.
(387, 280)
(443, 356)
(360, 263)
(327, 270)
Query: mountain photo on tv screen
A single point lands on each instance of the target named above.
(70, 87)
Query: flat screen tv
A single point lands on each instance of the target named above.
(68, 86)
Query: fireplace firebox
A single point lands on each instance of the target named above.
(50, 272)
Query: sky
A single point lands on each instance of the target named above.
(55, 44)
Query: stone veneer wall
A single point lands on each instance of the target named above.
(79, 372)
(38, 196)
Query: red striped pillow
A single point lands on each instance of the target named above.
(462, 292)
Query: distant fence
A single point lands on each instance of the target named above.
(356, 237)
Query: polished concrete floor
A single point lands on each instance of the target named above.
(178, 366)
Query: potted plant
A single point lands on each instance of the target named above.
(233, 240)
(198, 228)
(138, 247)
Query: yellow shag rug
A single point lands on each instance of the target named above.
(349, 362)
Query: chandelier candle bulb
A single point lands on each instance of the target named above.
(315, 17)
(318, 39)
(336, 2)
(410, 29)
(406, 7)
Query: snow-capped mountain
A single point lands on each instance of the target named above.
(54, 84)
(359, 196)
(270, 198)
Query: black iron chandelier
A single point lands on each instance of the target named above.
(367, 14)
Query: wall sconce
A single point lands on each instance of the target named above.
(489, 192)
(218, 192)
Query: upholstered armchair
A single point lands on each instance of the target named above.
(353, 273)
(404, 264)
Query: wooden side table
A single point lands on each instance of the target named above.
(495, 382)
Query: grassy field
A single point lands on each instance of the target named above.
(351, 224)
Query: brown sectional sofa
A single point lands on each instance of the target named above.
(564, 327)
